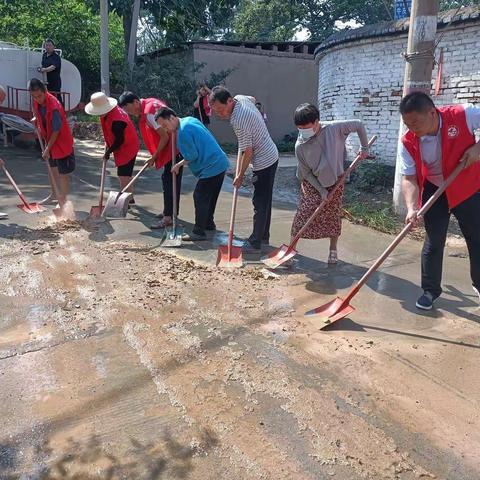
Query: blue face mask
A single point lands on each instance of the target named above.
(306, 133)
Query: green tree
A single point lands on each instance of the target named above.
(267, 20)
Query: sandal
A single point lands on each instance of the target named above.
(333, 257)
(161, 224)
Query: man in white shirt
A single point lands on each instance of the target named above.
(255, 146)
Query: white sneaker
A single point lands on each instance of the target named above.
(3, 215)
(477, 292)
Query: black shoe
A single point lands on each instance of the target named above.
(248, 247)
(131, 201)
(211, 227)
(193, 237)
(425, 302)
(265, 242)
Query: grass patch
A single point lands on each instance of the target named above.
(374, 213)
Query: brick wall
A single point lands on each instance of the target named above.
(363, 79)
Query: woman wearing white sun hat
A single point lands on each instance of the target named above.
(119, 133)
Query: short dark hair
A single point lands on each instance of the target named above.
(126, 98)
(165, 113)
(36, 84)
(306, 113)
(219, 94)
(416, 102)
(49, 40)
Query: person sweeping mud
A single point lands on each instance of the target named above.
(436, 141)
(201, 107)
(159, 145)
(320, 151)
(256, 147)
(120, 136)
(51, 121)
(206, 160)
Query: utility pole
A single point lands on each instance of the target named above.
(132, 45)
(104, 62)
(420, 58)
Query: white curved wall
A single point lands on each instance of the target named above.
(364, 80)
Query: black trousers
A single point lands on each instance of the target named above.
(436, 226)
(263, 181)
(168, 188)
(205, 198)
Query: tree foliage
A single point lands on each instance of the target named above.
(173, 79)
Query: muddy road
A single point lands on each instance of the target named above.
(119, 360)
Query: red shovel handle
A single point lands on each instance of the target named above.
(15, 186)
(404, 232)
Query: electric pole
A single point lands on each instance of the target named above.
(104, 61)
(420, 58)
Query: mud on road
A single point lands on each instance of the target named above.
(123, 361)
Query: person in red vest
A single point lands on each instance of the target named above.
(436, 141)
(119, 133)
(202, 109)
(51, 121)
(159, 144)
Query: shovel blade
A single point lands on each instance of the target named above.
(172, 237)
(31, 208)
(278, 257)
(234, 260)
(117, 204)
(331, 312)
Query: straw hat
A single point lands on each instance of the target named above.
(100, 104)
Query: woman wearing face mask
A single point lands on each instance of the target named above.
(320, 151)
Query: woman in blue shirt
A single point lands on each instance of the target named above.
(206, 160)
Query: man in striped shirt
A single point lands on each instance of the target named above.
(255, 146)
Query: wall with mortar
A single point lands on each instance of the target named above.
(363, 79)
(279, 80)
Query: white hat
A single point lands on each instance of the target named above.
(100, 104)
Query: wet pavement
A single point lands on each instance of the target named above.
(120, 359)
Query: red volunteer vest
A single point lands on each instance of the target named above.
(456, 138)
(130, 146)
(150, 137)
(63, 146)
(206, 106)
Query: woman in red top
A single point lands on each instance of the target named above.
(119, 133)
(52, 124)
(202, 108)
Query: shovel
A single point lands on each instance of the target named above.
(228, 255)
(117, 202)
(339, 308)
(286, 252)
(25, 206)
(172, 236)
(56, 211)
(97, 210)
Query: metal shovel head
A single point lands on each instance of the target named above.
(172, 237)
(117, 204)
(96, 214)
(31, 208)
(235, 260)
(278, 257)
(331, 312)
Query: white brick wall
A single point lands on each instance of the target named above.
(363, 79)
